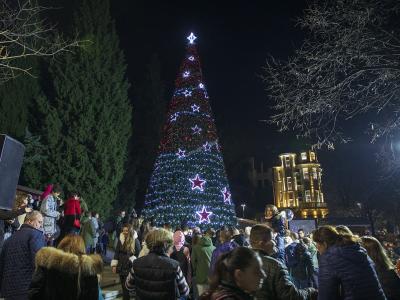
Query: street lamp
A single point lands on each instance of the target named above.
(243, 206)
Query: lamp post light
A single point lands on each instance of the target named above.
(243, 206)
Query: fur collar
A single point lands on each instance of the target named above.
(52, 258)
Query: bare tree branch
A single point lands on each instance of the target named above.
(348, 66)
(24, 33)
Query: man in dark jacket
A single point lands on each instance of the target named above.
(278, 285)
(17, 260)
(9, 215)
(156, 276)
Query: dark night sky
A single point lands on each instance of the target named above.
(234, 40)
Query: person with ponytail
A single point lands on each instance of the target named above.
(345, 270)
(385, 269)
(238, 274)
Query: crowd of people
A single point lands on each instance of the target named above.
(59, 253)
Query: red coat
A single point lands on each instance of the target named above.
(72, 207)
(72, 213)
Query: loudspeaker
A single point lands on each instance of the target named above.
(11, 156)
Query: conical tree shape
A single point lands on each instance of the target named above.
(189, 183)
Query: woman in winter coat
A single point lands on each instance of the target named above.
(128, 249)
(72, 215)
(226, 245)
(238, 274)
(48, 208)
(345, 270)
(385, 269)
(65, 272)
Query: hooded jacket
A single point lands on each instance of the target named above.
(221, 249)
(65, 276)
(346, 272)
(201, 259)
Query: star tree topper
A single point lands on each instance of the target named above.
(191, 38)
(204, 215)
(197, 183)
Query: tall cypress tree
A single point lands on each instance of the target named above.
(84, 116)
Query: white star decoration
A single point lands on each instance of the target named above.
(191, 38)
(196, 129)
(191, 58)
(186, 74)
(174, 117)
(195, 108)
(227, 195)
(201, 85)
(207, 146)
(181, 153)
(187, 93)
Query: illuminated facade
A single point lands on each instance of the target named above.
(297, 185)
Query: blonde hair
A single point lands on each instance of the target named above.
(72, 243)
(377, 253)
(329, 235)
(159, 239)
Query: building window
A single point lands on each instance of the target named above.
(303, 155)
(278, 173)
(287, 161)
(314, 173)
(308, 196)
(312, 156)
(289, 183)
(305, 173)
(291, 199)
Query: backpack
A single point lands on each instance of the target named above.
(181, 257)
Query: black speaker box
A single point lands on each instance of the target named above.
(11, 156)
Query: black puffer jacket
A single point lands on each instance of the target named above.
(390, 282)
(155, 277)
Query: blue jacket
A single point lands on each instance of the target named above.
(17, 261)
(346, 272)
(221, 249)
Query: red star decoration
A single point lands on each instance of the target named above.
(227, 195)
(204, 215)
(197, 183)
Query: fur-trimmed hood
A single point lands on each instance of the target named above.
(55, 259)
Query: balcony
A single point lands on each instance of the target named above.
(312, 205)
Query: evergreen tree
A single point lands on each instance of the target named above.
(84, 119)
(189, 183)
(16, 97)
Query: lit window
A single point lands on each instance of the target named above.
(305, 173)
(287, 161)
(308, 196)
(278, 173)
(303, 155)
(289, 183)
(291, 199)
(312, 156)
(315, 174)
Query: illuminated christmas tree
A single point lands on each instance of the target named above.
(189, 183)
